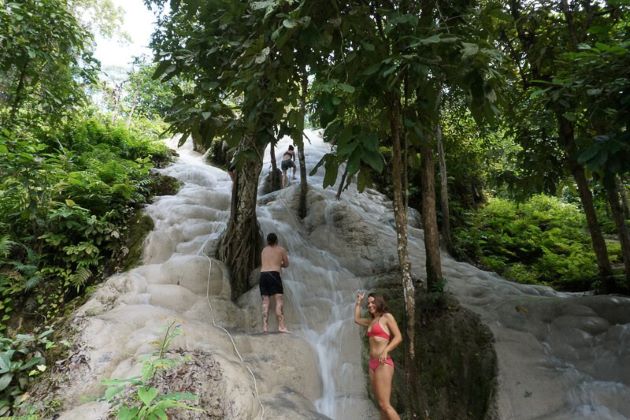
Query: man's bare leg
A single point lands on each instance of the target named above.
(279, 313)
(265, 313)
(285, 179)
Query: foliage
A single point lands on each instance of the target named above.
(540, 241)
(407, 55)
(64, 199)
(44, 62)
(21, 360)
(147, 96)
(136, 398)
(239, 65)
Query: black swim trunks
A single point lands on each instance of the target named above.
(270, 283)
(286, 164)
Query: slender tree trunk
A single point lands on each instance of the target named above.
(624, 196)
(241, 243)
(614, 200)
(134, 103)
(567, 140)
(446, 222)
(429, 216)
(17, 101)
(400, 216)
(300, 146)
(276, 174)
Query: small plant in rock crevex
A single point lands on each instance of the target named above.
(135, 398)
(21, 360)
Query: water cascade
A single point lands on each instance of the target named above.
(561, 356)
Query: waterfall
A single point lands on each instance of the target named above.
(319, 293)
(560, 355)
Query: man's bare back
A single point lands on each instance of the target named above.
(274, 258)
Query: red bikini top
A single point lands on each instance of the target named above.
(377, 331)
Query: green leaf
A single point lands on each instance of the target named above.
(374, 159)
(5, 361)
(128, 413)
(346, 88)
(289, 23)
(146, 395)
(434, 39)
(5, 380)
(331, 172)
(258, 5)
(260, 58)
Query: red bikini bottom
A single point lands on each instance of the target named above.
(374, 363)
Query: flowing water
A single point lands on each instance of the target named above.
(319, 292)
(560, 356)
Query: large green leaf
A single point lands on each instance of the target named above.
(5, 361)
(5, 380)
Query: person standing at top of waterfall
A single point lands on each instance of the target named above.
(274, 258)
(383, 336)
(288, 161)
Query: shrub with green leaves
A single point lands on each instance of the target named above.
(65, 198)
(543, 240)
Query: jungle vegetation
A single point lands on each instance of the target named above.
(504, 123)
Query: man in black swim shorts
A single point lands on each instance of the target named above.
(274, 258)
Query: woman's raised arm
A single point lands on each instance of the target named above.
(357, 311)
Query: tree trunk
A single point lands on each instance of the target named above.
(134, 103)
(276, 174)
(567, 140)
(400, 216)
(446, 222)
(18, 96)
(300, 146)
(614, 200)
(429, 216)
(624, 196)
(241, 243)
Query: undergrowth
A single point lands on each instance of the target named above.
(541, 241)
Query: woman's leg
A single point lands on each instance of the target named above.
(372, 381)
(382, 383)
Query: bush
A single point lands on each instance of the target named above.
(21, 360)
(65, 198)
(543, 240)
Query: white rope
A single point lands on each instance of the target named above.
(262, 408)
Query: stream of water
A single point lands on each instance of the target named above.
(560, 356)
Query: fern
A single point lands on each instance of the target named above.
(6, 244)
(80, 277)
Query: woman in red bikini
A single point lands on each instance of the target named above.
(384, 336)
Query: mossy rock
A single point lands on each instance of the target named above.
(139, 227)
(164, 185)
